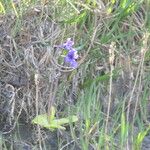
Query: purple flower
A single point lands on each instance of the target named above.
(71, 58)
(71, 53)
(68, 44)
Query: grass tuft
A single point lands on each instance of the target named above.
(108, 93)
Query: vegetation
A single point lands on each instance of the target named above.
(92, 96)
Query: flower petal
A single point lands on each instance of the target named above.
(73, 64)
(67, 59)
(72, 53)
(76, 55)
(68, 44)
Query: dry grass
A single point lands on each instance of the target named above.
(33, 76)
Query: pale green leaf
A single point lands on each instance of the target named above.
(43, 121)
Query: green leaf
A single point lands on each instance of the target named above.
(2, 9)
(105, 77)
(125, 7)
(140, 138)
(76, 18)
(124, 128)
(52, 113)
(64, 121)
(43, 121)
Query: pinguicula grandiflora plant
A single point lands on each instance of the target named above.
(49, 120)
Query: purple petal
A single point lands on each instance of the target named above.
(76, 55)
(67, 59)
(73, 64)
(72, 54)
(68, 44)
(70, 59)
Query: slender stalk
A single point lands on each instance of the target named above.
(36, 78)
(111, 60)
